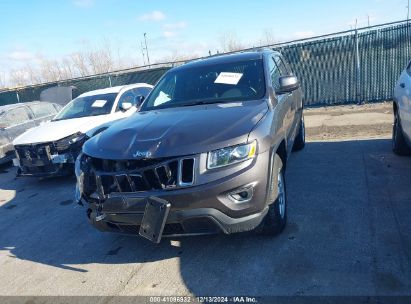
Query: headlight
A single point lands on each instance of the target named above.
(65, 143)
(231, 155)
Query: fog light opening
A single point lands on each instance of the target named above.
(242, 195)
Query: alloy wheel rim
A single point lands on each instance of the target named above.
(281, 195)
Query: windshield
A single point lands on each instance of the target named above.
(234, 81)
(87, 106)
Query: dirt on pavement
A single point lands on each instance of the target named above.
(348, 121)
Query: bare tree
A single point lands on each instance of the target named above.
(2, 80)
(33, 74)
(50, 70)
(268, 37)
(19, 77)
(79, 63)
(67, 69)
(176, 56)
(230, 42)
(85, 62)
(100, 61)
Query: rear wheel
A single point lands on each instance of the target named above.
(276, 217)
(399, 146)
(299, 141)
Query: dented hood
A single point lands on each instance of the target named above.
(55, 130)
(177, 131)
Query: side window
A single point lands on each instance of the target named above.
(42, 110)
(281, 66)
(275, 73)
(57, 107)
(128, 97)
(143, 91)
(17, 116)
(166, 93)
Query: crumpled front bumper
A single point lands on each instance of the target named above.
(57, 165)
(200, 209)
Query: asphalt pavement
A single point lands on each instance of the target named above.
(349, 233)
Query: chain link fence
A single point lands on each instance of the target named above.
(348, 67)
(358, 66)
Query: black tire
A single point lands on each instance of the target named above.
(399, 145)
(276, 217)
(299, 141)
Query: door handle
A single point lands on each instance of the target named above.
(402, 85)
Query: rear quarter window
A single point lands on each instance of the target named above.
(43, 110)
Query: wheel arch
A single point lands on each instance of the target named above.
(282, 152)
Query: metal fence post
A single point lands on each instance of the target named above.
(357, 70)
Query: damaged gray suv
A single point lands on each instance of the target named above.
(206, 153)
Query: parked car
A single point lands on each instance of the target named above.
(15, 119)
(51, 148)
(207, 152)
(401, 135)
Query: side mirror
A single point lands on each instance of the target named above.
(138, 100)
(126, 106)
(288, 84)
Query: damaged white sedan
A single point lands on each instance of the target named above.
(51, 148)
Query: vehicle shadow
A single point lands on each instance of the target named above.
(338, 239)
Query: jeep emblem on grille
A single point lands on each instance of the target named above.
(144, 154)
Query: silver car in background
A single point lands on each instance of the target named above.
(401, 135)
(16, 119)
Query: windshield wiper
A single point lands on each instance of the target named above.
(205, 102)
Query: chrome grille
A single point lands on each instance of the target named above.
(120, 176)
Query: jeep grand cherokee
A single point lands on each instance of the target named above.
(206, 153)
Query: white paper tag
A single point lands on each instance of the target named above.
(99, 103)
(228, 78)
(162, 98)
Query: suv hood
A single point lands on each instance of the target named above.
(55, 130)
(177, 131)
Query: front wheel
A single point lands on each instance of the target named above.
(399, 146)
(276, 217)
(299, 141)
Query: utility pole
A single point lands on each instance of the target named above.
(408, 10)
(368, 17)
(145, 40)
(142, 52)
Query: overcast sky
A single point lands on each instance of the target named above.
(54, 29)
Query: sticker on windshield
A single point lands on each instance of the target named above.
(228, 78)
(99, 103)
